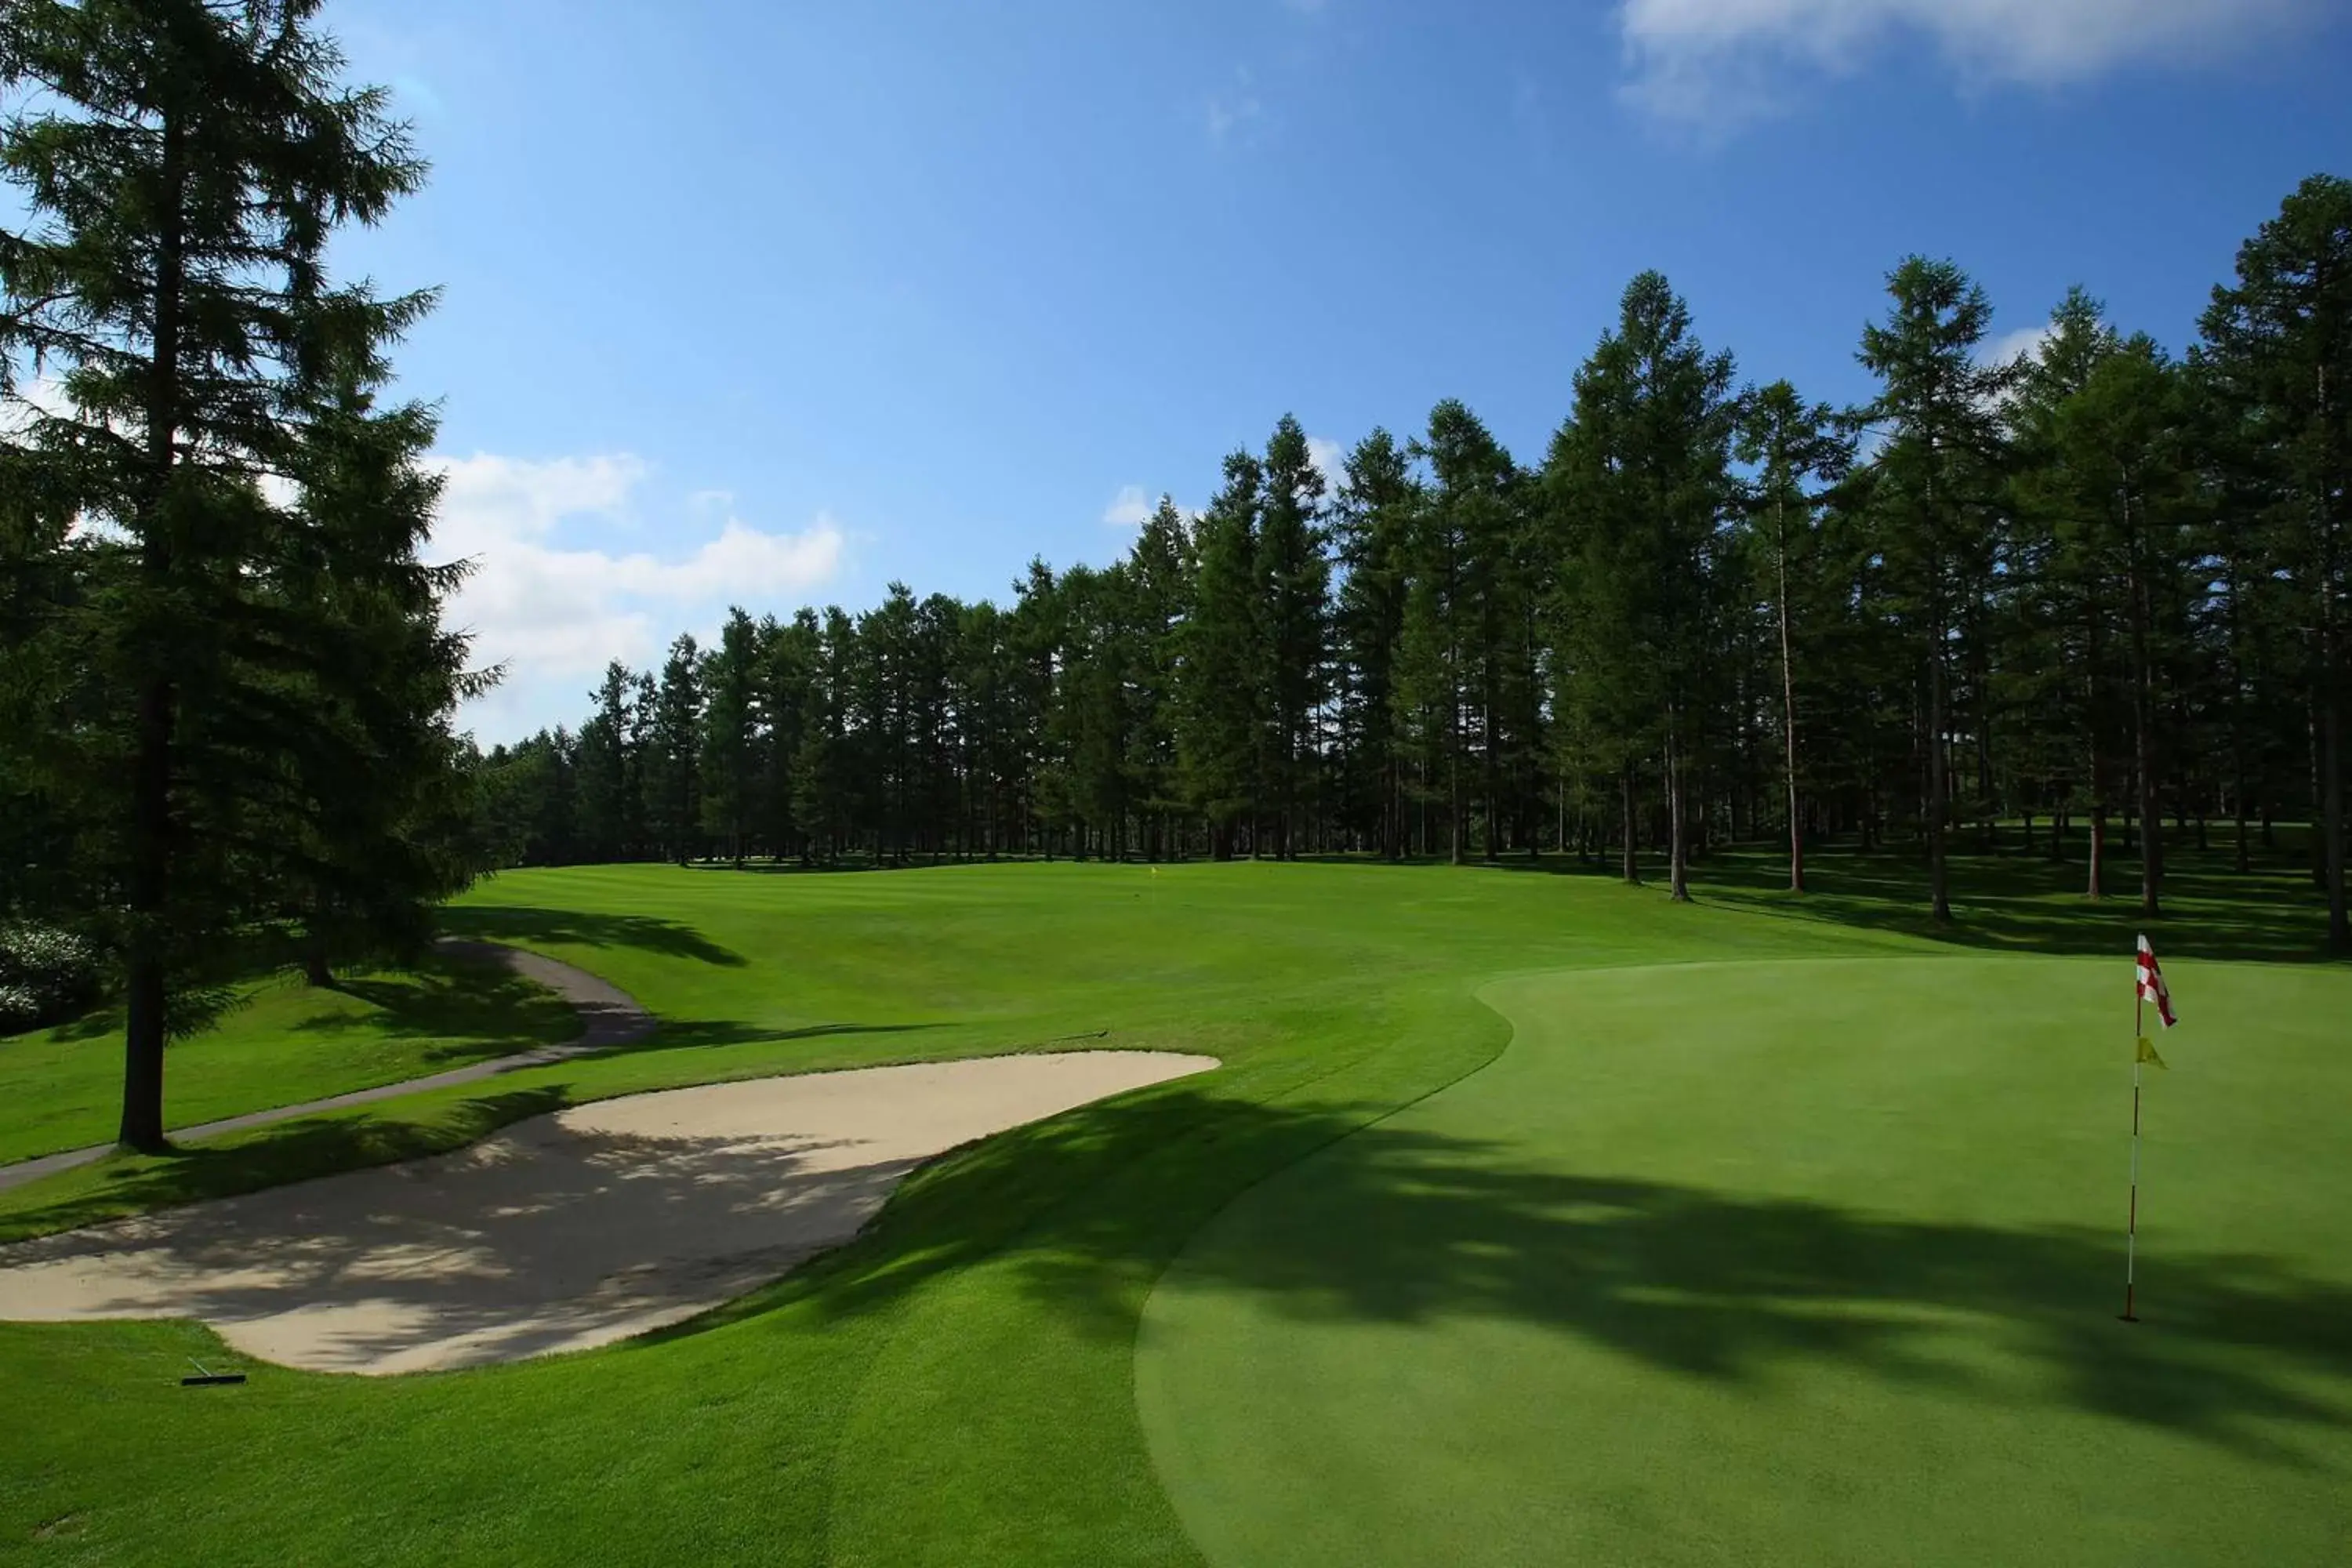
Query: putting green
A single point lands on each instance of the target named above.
(1793, 1262)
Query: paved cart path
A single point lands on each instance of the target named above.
(609, 1018)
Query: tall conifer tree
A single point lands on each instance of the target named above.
(184, 165)
(1940, 470)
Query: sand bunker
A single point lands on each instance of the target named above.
(560, 1233)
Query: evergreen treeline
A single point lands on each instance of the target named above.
(2090, 590)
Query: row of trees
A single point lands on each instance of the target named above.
(224, 689)
(2095, 585)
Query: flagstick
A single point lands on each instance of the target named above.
(2131, 1224)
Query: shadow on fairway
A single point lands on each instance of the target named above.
(1086, 1211)
(289, 1151)
(1399, 1227)
(2016, 903)
(701, 1034)
(497, 1237)
(302, 1149)
(481, 1009)
(523, 926)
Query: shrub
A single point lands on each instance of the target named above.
(19, 1008)
(45, 974)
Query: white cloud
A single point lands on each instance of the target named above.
(554, 611)
(1128, 508)
(1713, 62)
(2023, 344)
(1330, 460)
(1233, 111)
(414, 95)
(33, 397)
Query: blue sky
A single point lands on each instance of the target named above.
(774, 303)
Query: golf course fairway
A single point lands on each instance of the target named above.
(1794, 1262)
(1529, 1218)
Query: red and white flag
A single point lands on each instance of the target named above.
(2151, 984)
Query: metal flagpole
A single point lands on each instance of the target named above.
(2131, 1224)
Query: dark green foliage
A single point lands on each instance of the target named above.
(2095, 587)
(2074, 589)
(1372, 522)
(1938, 473)
(1294, 585)
(237, 702)
(2278, 351)
(674, 764)
(1223, 659)
(1789, 444)
(1641, 485)
(732, 751)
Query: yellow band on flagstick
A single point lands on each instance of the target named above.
(2148, 1054)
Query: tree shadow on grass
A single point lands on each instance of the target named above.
(1400, 1226)
(480, 1009)
(1087, 1210)
(702, 1033)
(526, 926)
(309, 1147)
(288, 1152)
(2018, 903)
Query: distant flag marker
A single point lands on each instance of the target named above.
(2148, 986)
(2151, 984)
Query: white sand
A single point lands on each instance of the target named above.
(560, 1233)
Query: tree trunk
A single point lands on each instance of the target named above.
(145, 983)
(2331, 737)
(1453, 810)
(1632, 862)
(2151, 821)
(2238, 816)
(2339, 928)
(1788, 706)
(146, 980)
(1939, 903)
(317, 973)
(1678, 818)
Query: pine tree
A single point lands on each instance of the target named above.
(730, 760)
(1294, 578)
(1939, 472)
(1789, 443)
(788, 672)
(2061, 563)
(1372, 524)
(381, 834)
(1640, 478)
(819, 795)
(603, 766)
(643, 796)
(1473, 517)
(676, 745)
(2109, 462)
(1160, 568)
(186, 164)
(2279, 341)
(1223, 660)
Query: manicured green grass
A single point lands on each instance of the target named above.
(1794, 1262)
(286, 1043)
(960, 1385)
